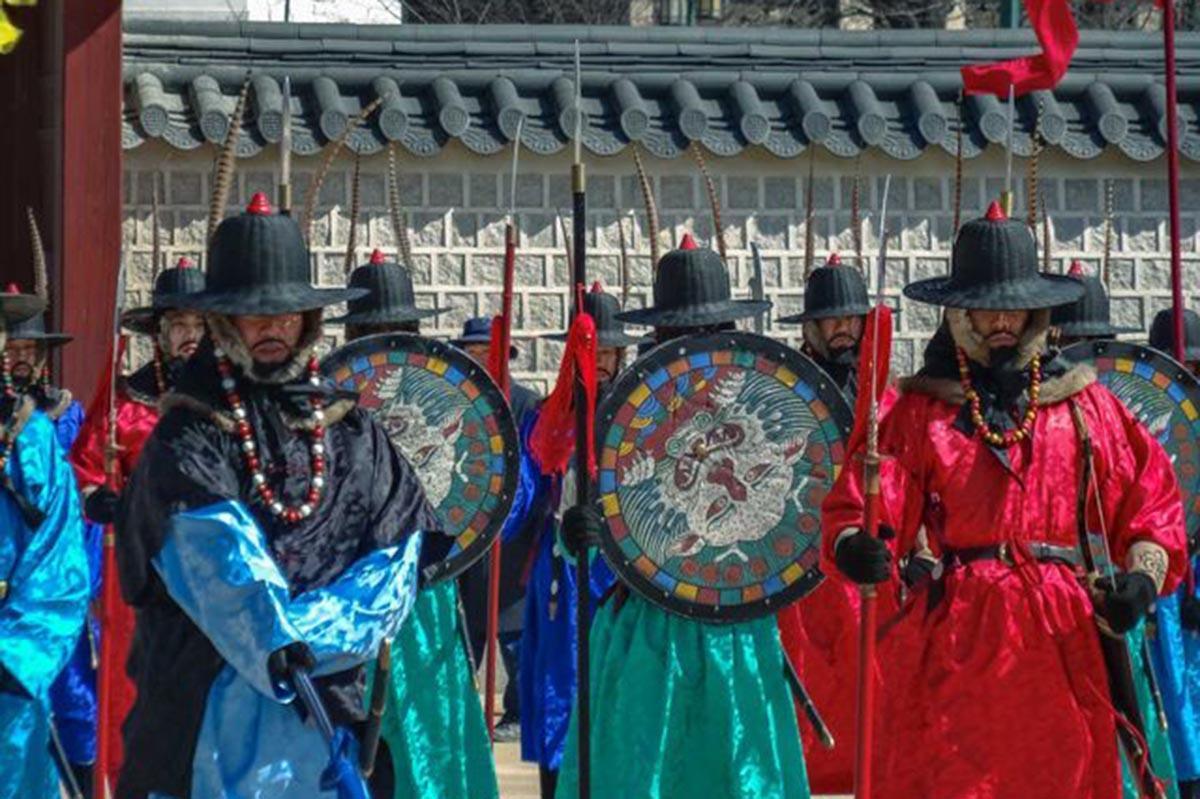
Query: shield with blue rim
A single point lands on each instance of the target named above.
(450, 421)
(715, 453)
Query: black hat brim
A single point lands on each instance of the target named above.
(462, 342)
(713, 313)
(262, 300)
(19, 307)
(825, 313)
(606, 338)
(141, 320)
(386, 317)
(1030, 294)
(49, 339)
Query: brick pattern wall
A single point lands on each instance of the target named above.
(456, 210)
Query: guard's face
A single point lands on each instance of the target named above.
(24, 358)
(271, 340)
(608, 363)
(184, 329)
(478, 353)
(999, 329)
(841, 333)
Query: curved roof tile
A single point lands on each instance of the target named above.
(728, 88)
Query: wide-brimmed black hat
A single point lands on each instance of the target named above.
(34, 329)
(258, 265)
(183, 278)
(478, 330)
(17, 307)
(604, 308)
(691, 289)
(832, 290)
(1090, 315)
(994, 267)
(1162, 333)
(389, 298)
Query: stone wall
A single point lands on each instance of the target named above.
(456, 209)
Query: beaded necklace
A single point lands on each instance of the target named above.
(10, 395)
(250, 458)
(1008, 437)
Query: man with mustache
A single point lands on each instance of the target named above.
(682, 707)
(517, 546)
(43, 575)
(270, 528)
(548, 639)
(996, 668)
(175, 334)
(434, 738)
(820, 633)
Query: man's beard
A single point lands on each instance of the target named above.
(1002, 356)
(843, 356)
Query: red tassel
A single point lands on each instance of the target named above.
(883, 355)
(552, 441)
(497, 365)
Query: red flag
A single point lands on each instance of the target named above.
(1054, 26)
(879, 318)
(553, 438)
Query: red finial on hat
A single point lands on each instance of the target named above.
(377, 257)
(834, 259)
(687, 242)
(1076, 269)
(13, 288)
(259, 205)
(185, 263)
(995, 213)
(597, 288)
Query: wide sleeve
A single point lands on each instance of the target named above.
(48, 586)
(902, 482)
(1137, 487)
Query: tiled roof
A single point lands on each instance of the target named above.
(729, 88)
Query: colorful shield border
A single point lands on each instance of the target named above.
(1115, 358)
(353, 366)
(646, 379)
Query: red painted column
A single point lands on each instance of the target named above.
(91, 186)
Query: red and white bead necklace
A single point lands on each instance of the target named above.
(245, 432)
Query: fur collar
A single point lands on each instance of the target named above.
(225, 336)
(223, 417)
(1032, 341)
(58, 402)
(1054, 390)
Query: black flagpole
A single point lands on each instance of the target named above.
(582, 476)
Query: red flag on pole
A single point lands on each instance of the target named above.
(1054, 26)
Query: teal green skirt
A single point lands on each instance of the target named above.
(433, 723)
(682, 709)
(1160, 746)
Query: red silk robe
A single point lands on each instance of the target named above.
(136, 416)
(999, 691)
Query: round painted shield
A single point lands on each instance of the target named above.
(715, 454)
(1163, 395)
(444, 413)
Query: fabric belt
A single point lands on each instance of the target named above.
(1039, 550)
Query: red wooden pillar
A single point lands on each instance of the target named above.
(90, 192)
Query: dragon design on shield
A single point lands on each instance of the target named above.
(723, 476)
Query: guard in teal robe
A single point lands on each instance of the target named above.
(682, 708)
(433, 733)
(43, 595)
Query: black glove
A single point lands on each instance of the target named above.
(863, 558)
(101, 505)
(918, 570)
(282, 662)
(1124, 599)
(581, 527)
